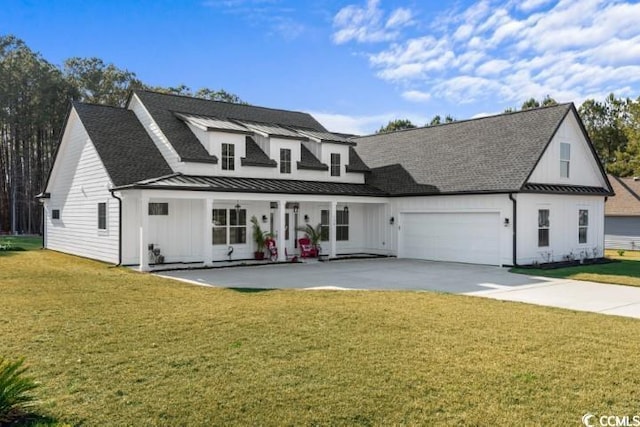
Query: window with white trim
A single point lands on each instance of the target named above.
(565, 159)
(228, 156)
(158, 208)
(102, 216)
(324, 225)
(335, 164)
(583, 225)
(543, 227)
(229, 226)
(342, 225)
(285, 160)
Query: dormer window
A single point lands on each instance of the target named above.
(285, 160)
(565, 157)
(335, 164)
(228, 157)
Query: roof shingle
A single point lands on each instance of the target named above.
(489, 154)
(127, 152)
(163, 106)
(626, 202)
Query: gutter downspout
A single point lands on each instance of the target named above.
(119, 227)
(515, 223)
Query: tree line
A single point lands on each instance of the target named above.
(613, 125)
(34, 100)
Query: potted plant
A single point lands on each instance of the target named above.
(314, 235)
(259, 238)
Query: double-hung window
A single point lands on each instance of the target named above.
(543, 228)
(229, 226)
(583, 225)
(335, 164)
(342, 225)
(285, 160)
(565, 158)
(102, 216)
(228, 157)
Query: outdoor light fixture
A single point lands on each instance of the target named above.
(506, 222)
(392, 220)
(264, 218)
(237, 206)
(306, 218)
(346, 209)
(295, 208)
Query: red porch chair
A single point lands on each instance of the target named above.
(306, 249)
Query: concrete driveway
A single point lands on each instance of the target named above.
(373, 274)
(403, 274)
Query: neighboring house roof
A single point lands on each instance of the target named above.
(127, 152)
(163, 107)
(626, 202)
(256, 185)
(489, 154)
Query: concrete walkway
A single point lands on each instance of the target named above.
(574, 295)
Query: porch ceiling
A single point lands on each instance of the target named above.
(255, 185)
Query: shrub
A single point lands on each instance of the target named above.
(16, 388)
(621, 252)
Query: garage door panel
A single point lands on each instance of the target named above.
(459, 237)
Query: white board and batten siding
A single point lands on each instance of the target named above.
(583, 167)
(78, 183)
(465, 228)
(563, 227)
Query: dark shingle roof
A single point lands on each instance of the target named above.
(257, 185)
(355, 162)
(163, 106)
(489, 154)
(309, 161)
(125, 148)
(255, 156)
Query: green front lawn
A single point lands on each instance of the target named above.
(19, 243)
(624, 272)
(115, 347)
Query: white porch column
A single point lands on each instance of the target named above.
(332, 229)
(144, 232)
(282, 256)
(207, 235)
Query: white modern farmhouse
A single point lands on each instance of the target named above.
(185, 175)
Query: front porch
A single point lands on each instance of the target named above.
(165, 229)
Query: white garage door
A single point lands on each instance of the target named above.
(459, 237)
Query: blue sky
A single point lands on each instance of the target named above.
(353, 64)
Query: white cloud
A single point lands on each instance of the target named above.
(493, 67)
(367, 24)
(529, 5)
(357, 125)
(416, 96)
(399, 17)
(505, 51)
